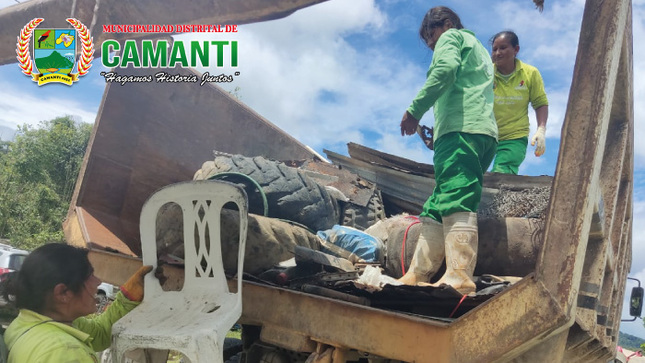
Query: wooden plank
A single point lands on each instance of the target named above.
(369, 155)
(104, 264)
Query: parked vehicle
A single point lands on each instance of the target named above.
(11, 259)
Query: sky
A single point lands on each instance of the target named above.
(345, 71)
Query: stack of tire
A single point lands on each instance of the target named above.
(280, 191)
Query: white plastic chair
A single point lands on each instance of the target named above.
(195, 320)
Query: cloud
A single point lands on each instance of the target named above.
(20, 107)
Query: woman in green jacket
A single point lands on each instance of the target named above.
(55, 291)
(459, 87)
(516, 85)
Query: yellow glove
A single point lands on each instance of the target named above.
(133, 288)
(538, 141)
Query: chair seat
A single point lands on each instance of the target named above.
(178, 314)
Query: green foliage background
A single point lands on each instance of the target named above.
(38, 171)
(629, 341)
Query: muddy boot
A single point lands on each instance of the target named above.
(428, 254)
(460, 231)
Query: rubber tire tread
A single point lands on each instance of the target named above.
(291, 194)
(360, 217)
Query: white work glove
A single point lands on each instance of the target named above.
(538, 141)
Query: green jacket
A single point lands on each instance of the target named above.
(36, 338)
(512, 97)
(459, 85)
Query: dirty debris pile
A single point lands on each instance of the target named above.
(324, 229)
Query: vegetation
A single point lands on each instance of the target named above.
(38, 171)
(630, 342)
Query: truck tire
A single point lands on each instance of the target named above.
(360, 217)
(290, 193)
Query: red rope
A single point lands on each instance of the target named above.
(457, 307)
(405, 237)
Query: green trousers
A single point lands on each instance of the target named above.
(460, 161)
(509, 156)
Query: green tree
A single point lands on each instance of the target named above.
(38, 171)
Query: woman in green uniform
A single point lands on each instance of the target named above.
(516, 85)
(55, 291)
(459, 87)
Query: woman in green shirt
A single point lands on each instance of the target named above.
(55, 291)
(459, 87)
(516, 85)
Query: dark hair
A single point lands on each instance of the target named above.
(43, 269)
(509, 34)
(435, 18)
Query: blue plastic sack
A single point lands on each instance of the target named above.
(351, 244)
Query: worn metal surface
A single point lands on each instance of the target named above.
(503, 328)
(96, 13)
(405, 188)
(337, 323)
(551, 350)
(104, 266)
(596, 163)
(507, 246)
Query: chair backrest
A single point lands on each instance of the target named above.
(201, 204)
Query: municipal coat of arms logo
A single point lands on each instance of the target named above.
(55, 52)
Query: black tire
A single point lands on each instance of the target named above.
(360, 217)
(290, 193)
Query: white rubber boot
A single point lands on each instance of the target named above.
(428, 254)
(460, 231)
